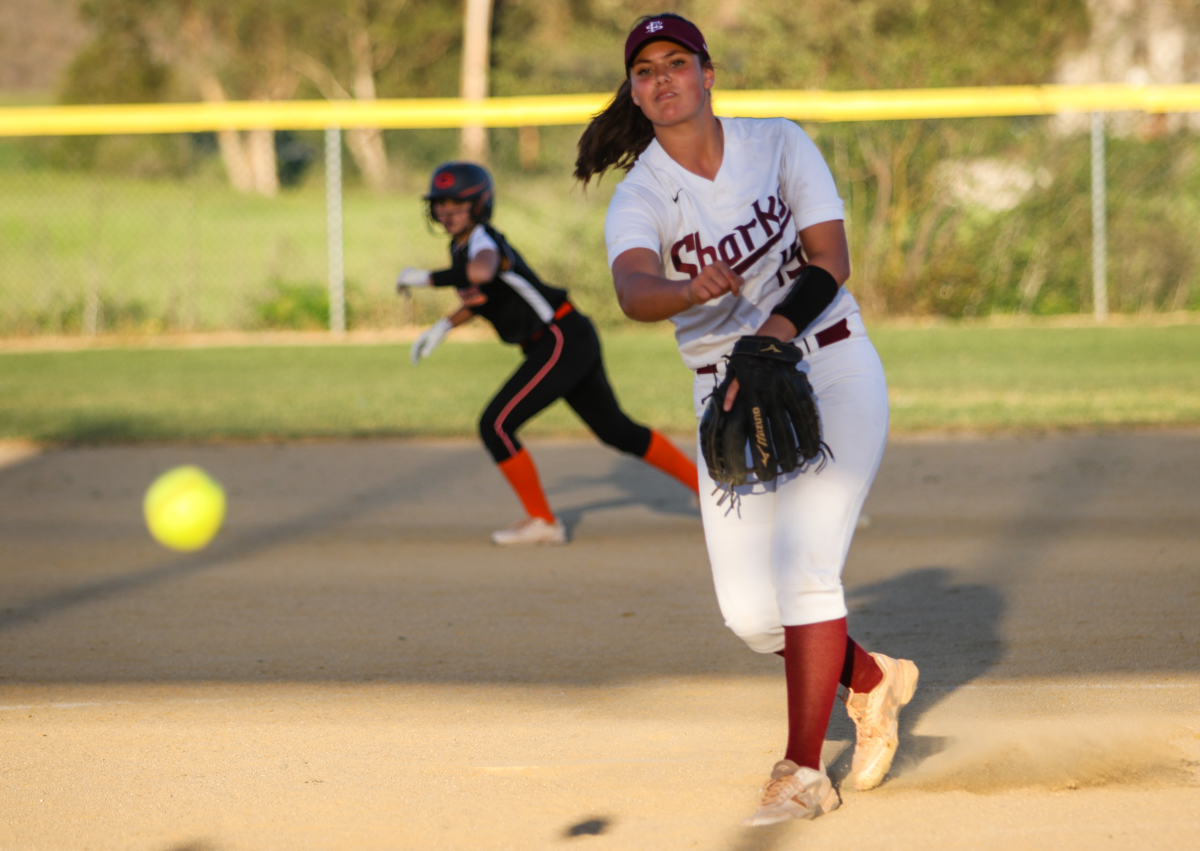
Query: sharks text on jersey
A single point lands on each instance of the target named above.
(741, 249)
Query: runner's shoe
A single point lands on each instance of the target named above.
(794, 792)
(876, 715)
(531, 530)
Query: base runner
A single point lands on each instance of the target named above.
(562, 350)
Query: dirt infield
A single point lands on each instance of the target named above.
(352, 664)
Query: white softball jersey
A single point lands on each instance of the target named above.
(772, 184)
(777, 557)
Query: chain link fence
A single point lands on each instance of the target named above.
(956, 218)
(153, 246)
(963, 218)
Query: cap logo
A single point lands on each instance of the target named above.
(654, 26)
(444, 180)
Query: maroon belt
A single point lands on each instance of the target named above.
(825, 337)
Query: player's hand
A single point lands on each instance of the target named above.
(714, 281)
(472, 296)
(410, 276)
(428, 341)
(730, 395)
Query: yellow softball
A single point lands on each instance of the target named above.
(184, 508)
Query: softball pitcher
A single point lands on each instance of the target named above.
(562, 350)
(733, 230)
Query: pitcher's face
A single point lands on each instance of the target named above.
(669, 83)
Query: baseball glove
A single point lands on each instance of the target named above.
(773, 426)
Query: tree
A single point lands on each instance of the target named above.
(223, 51)
(219, 50)
(356, 39)
(213, 50)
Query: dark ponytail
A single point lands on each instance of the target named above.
(616, 137)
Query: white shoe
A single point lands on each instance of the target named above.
(876, 717)
(794, 792)
(531, 530)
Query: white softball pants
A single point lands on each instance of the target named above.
(777, 555)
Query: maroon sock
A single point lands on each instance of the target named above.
(860, 672)
(814, 655)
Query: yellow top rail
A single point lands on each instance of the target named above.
(423, 113)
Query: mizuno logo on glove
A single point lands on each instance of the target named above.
(760, 437)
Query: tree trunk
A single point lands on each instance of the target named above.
(366, 143)
(250, 159)
(263, 163)
(477, 23)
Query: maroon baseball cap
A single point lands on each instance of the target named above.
(670, 28)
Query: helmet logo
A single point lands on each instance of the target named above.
(654, 26)
(444, 180)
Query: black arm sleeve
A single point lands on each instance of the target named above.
(812, 291)
(455, 276)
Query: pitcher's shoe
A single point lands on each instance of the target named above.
(794, 792)
(531, 530)
(876, 715)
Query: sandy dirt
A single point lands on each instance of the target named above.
(352, 665)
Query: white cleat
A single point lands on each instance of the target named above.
(531, 530)
(794, 792)
(876, 717)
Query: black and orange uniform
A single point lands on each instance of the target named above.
(562, 352)
(561, 347)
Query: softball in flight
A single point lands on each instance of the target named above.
(184, 508)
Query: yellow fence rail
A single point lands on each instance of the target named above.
(544, 110)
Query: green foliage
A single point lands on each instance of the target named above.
(118, 65)
(64, 314)
(165, 155)
(304, 306)
(298, 306)
(568, 46)
(413, 46)
(1020, 241)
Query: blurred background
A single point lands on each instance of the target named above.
(227, 231)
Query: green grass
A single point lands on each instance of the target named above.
(193, 254)
(987, 378)
(944, 378)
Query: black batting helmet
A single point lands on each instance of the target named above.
(463, 181)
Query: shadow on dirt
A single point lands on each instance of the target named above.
(656, 492)
(347, 572)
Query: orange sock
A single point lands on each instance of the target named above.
(523, 477)
(663, 455)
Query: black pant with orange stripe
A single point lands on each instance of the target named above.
(563, 363)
